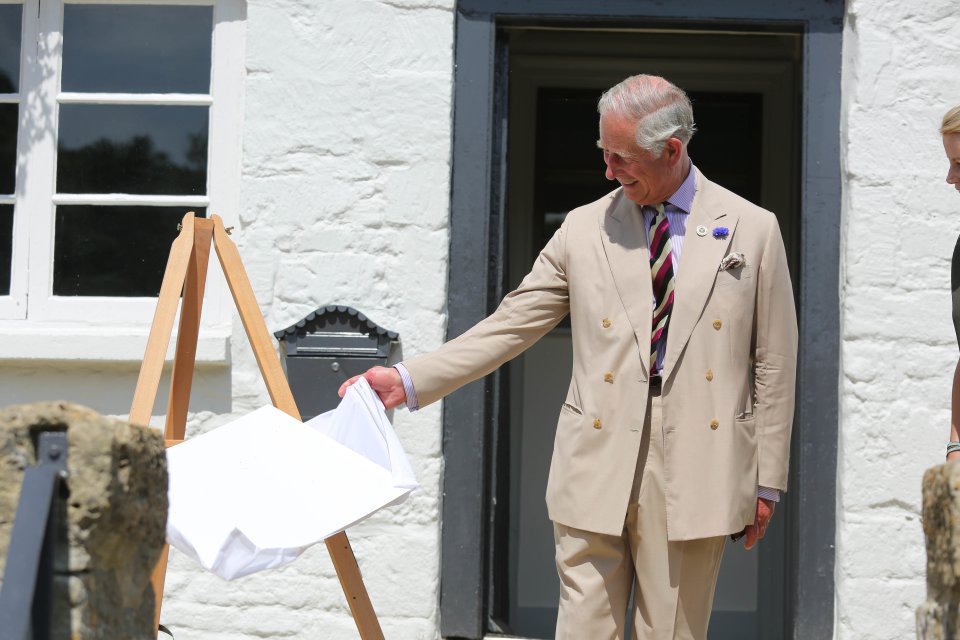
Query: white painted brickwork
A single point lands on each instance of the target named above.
(901, 73)
(345, 199)
(346, 167)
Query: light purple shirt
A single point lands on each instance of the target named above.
(677, 209)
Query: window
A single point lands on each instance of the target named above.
(115, 120)
(10, 19)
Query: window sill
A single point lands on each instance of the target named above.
(101, 344)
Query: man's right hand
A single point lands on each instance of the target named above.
(385, 381)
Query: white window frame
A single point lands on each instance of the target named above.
(31, 308)
(14, 305)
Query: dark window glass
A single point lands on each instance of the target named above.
(569, 166)
(728, 144)
(136, 49)
(91, 258)
(6, 247)
(144, 149)
(9, 48)
(8, 147)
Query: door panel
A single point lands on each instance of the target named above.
(745, 96)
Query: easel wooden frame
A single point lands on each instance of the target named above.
(186, 272)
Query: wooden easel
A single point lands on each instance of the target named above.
(186, 272)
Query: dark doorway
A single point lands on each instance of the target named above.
(476, 524)
(746, 97)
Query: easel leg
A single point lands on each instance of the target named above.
(348, 571)
(145, 394)
(181, 379)
(174, 277)
(344, 561)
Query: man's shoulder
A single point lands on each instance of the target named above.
(589, 212)
(715, 195)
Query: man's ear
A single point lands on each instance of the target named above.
(673, 150)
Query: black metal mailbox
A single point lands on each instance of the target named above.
(328, 346)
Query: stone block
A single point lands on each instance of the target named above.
(115, 514)
(939, 617)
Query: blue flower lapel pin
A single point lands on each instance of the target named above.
(720, 232)
(732, 261)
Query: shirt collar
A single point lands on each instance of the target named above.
(683, 197)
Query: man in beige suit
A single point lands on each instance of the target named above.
(676, 428)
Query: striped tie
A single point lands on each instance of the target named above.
(661, 268)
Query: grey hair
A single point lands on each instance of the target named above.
(662, 110)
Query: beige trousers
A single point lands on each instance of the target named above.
(673, 582)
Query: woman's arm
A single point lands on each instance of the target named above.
(955, 412)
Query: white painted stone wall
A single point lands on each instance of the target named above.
(346, 165)
(346, 152)
(901, 72)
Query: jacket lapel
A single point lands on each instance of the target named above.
(625, 243)
(698, 268)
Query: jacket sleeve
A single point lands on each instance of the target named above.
(775, 362)
(523, 317)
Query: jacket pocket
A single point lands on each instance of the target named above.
(735, 277)
(572, 408)
(572, 404)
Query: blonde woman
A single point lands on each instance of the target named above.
(950, 130)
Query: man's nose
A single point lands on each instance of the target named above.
(953, 176)
(611, 162)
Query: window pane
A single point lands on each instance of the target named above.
(136, 49)
(6, 247)
(160, 150)
(8, 147)
(9, 48)
(113, 251)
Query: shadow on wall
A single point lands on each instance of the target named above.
(107, 388)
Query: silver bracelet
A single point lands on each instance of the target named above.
(953, 446)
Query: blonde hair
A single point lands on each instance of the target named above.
(951, 121)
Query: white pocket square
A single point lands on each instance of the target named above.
(732, 261)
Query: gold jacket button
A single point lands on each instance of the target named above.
(714, 424)
(709, 375)
(597, 424)
(608, 376)
(606, 323)
(717, 324)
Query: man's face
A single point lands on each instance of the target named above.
(951, 144)
(646, 179)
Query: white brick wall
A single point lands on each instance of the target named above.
(346, 152)
(346, 164)
(901, 72)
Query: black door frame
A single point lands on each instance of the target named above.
(477, 231)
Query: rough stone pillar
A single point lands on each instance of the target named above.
(939, 617)
(115, 513)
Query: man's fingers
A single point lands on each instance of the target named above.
(343, 388)
(385, 382)
(758, 529)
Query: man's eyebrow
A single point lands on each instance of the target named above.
(616, 153)
(603, 148)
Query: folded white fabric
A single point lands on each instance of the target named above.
(256, 492)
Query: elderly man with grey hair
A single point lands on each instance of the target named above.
(675, 432)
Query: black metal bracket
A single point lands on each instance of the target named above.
(25, 600)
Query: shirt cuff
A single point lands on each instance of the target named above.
(768, 494)
(408, 390)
